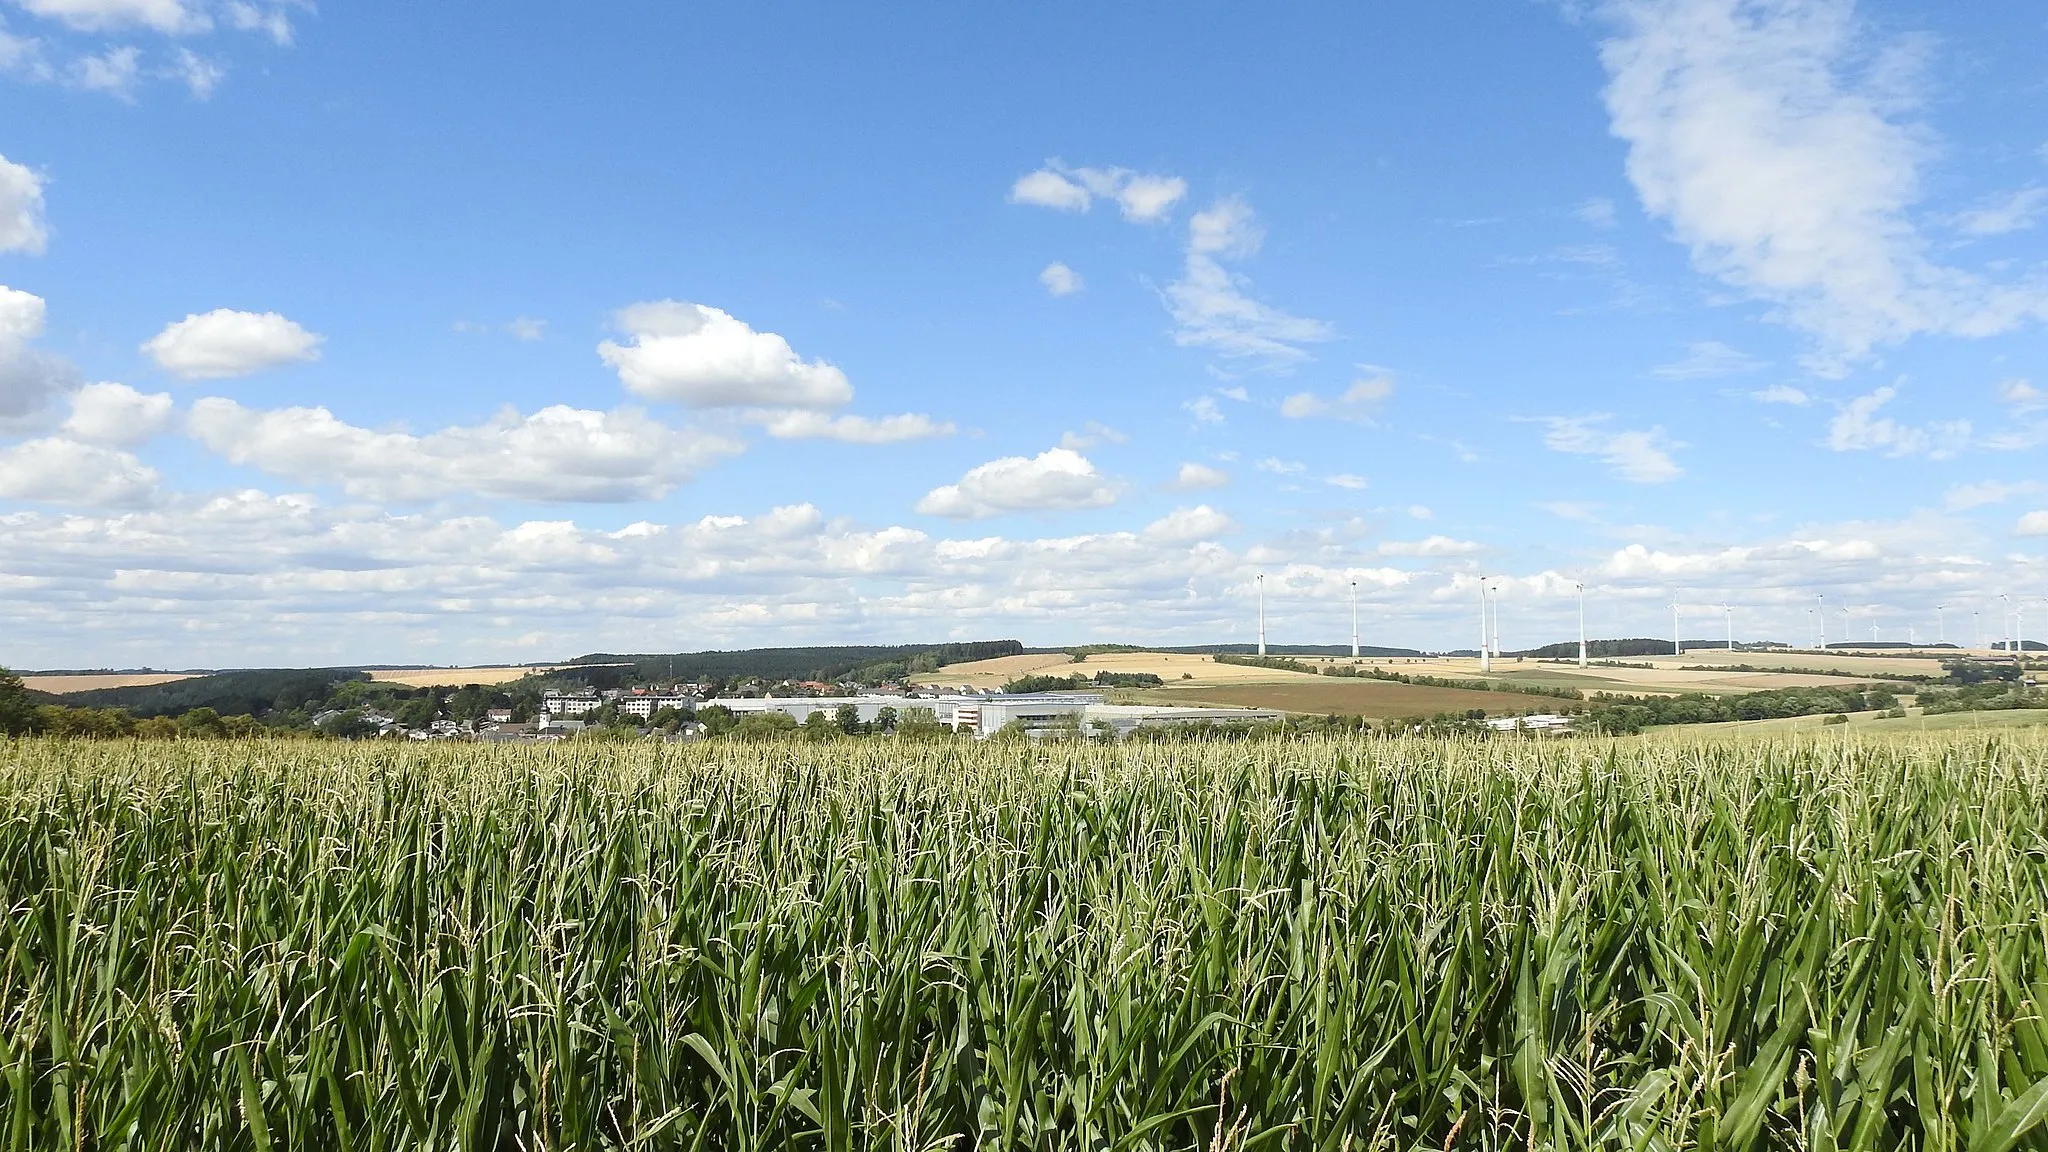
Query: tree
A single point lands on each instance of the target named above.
(717, 719)
(764, 726)
(17, 708)
(847, 716)
(202, 722)
(418, 712)
(820, 726)
(885, 718)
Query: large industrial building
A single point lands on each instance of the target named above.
(988, 714)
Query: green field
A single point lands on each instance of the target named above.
(1834, 940)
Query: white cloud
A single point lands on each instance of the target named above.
(271, 21)
(1058, 478)
(1205, 410)
(1348, 481)
(2022, 395)
(1643, 457)
(171, 17)
(114, 72)
(1434, 546)
(1142, 198)
(1197, 476)
(806, 425)
(22, 228)
(1281, 467)
(1859, 428)
(1781, 394)
(1774, 142)
(526, 328)
(1187, 525)
(1208, 303)
(1597, 211)
(1059, 279)
(1360, 402)
(27, 376)
(57, 470)
(116, 414)
(201, 76)
(1964, 497)
(224, 342)
(558, 454)
(698, 355)
(2033, 524)
(1092, 433)
(1420, 512)
(2011, 212)
(1708, 360)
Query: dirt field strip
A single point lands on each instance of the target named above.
(1378, 699)
(59, 685)
(453, 677)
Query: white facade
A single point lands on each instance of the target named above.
(646, 706)
(1544, 722)
(985, 715)
(561, 704)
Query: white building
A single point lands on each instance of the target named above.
(1547, 722)
(648, 705)
(568, 704)
(985, 715)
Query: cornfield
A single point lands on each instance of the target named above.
(1332, 944)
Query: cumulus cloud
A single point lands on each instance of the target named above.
(1209, 303)
(1859, 428)
(701, 356)
(1432, 546)
(1420, 512)
(1196, 476)
(2033, 524)
(1142, 197)
(1056, 479)
(1092, 433)
(114, 71)
(1347, 481)
(1964, 497)
(22, 228)
(2010, 212)
(1186, 525)
(171, 17)
(1359, 403)
(806, 425)
(224, 342)
(558, 454)
(111, 413)
(526, 328)
(1279, 467)
(1059, 279)
(1708, 360)
(1781, 394)
(1204, 409)
(1597, 211)
(200, 75)
(1776, 143)
(28, 377)
(1641, 456)
(2021, 395)
(58, 470)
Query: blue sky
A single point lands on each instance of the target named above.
(378, 333)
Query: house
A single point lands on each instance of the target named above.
(570, 703)
(1543, 722)
(498, 716)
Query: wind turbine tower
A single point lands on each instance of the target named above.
(1493, 594)
(1485, 634)
(1261, 582)
(1582, 624)
(1730, 614)
(1354, 619)
(1820, 613)
(1677, 645)
(1941, 625)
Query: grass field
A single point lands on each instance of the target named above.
(1830, 942)
(1377, 699)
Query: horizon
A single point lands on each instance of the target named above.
(329, 333)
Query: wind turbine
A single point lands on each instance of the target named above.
(1820, 613)
(1677, 644)
(1495, 596)
(1730, 613)
(1941, 625)
(1354, 619)
(1976, 629)
(1261, 582)
(1809, 623)
(1582, 623)
(2005, 618)
(1485, 652)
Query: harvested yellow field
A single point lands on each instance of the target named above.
(454, 677)
(1186, 669)
(58, 685)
